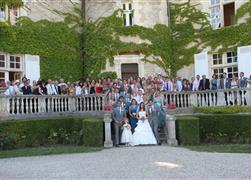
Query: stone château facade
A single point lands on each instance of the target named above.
(145, 13)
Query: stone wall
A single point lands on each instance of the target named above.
(149, 13)
(47, 9)
(146, 13)
(100, 8)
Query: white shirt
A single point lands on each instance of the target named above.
(78, 91)
(10, 91)
(139, 99)
(196, 84)
(170, 86)
(51, 90)
(16, 90)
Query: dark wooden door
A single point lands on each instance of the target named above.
(129, 70)
(229, 13)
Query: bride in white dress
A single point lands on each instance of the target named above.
(143, 132)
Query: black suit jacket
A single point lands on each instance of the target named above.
(204, 87)
(26, 90)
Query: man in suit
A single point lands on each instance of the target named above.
(26, 89)
(243, 82)
(118, 116)
(225, 84)
(153, 119)
(204, 85)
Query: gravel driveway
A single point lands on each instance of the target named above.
(152, 162)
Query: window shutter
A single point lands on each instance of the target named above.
(201, 64)
(244, 57)
(32, 67)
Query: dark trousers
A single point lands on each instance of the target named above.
(117, 133)
(245, 101)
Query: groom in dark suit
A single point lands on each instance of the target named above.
(153, 119)
(118, 116)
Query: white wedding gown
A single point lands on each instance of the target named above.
(143, 132)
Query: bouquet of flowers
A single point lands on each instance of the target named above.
(127, 126)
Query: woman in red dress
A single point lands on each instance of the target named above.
(99, 87)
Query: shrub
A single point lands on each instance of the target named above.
(214, 129)
(8, 141)
(221, 110)
(29, 133)
(225, 128)
(93, 132)
(187, 130)
(110, 74)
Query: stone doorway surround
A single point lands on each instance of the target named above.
(129, 59)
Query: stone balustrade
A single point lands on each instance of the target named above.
(30, 106)
(186, 100)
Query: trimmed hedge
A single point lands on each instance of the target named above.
(222, 110)
(225, 129)
(187, 129)
(214, 129)
(109, 74)
(30, 133)
(93, 132)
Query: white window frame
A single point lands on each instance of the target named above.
(14, 15)
(215, 16)
(4, 61)
(2, 79)
(217, 20)
(233, 57)
(218, 74)
(15, 63)
(218, 59)
(213, 2)
(2, 14)
(233, 72)
(127, 14)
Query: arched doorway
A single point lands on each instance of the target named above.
(129, 70)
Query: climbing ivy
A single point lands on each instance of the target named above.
(11, 3)
(56, 44)
(77, 47)
(172, 47)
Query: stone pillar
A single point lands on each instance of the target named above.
(108, 135)
(172, 141)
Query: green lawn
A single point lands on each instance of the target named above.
(47, 151)
(228, 148)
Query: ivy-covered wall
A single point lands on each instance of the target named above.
(78, 48)
(57, 45)
(173, 46)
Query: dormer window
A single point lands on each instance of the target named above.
(2, 14)
(127, 14)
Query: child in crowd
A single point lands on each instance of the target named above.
(127, 133)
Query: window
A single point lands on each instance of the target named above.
(213, 2)
(232, 71)
(14, 15)
(127, 14)
(218, 72)
(2, 14)
(2, 79)
(2, 61)
(229, 14)
(15, 62)
(231, 57)
(217, 59)
(215, 17)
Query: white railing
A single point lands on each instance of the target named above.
(35, 105)
(186, 100)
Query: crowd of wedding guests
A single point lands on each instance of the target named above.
(132, 86)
